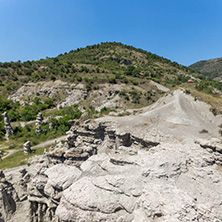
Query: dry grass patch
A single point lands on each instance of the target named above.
(213, 100)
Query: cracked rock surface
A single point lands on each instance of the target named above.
(146, 187)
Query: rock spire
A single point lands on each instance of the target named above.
(8, 128)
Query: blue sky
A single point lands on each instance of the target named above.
(184, 31)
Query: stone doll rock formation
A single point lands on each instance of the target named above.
(51, 126)
(8, 128)
(8, 198)
(46, 188)
(38, 122)
(27, 147)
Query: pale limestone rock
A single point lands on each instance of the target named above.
(8, 198)
(147, 185)
(27, 147)
(38, 122)
(60, 177)
(214, 146)
(8, 129)
(51, 126)
(39, 118)
(138, 173)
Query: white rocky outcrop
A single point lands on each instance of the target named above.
(146, 187)
(140, 168)
(52, 89)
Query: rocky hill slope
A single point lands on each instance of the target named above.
(143, 150)
(105, 62)
(106, 75)
(161, 163)
(211, 68)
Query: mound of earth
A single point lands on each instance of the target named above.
(175, 117)
(154, 165)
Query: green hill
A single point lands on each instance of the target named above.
(93, 81)
(108, 61)
(211, 68)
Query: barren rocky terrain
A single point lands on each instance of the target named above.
(67, 94)
(162, 163)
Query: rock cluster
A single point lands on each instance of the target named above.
(8, 128)
(145, 187)
(111, 169)
(27, 147)
(46, 190)
(155, 184)
(8, 198)
(88, 138)
(73, 96)
(214, 146)
(38, 122)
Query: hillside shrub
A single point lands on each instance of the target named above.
(105, 110)
(112, 80)
(134, 82)
(2, 130)
(203, 131)
(213, 110)
(79, 78)
(136, 96)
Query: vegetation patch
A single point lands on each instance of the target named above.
(214, 100)
(18, 158)
(203, 131)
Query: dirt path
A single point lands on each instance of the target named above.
(9, 153)
(33, 121)
(50, 142)
(44, 144)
